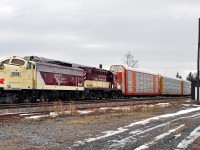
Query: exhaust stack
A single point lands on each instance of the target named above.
(100, 66)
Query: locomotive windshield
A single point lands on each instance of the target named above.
(5, 60)
(18, 62)
(13, 61)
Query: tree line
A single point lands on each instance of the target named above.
(192, 77)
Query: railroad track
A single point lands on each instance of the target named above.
(19, 116)
(48, 107)
(133, 100)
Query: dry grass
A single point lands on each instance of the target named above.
(190, 122)
(129, 110)
(187, 123)
(196, 145)
(108, 119)
(179, 130)
(73, 109)
(61, 110)
(109, 114)
(58, 108)
(96, 110)
(82, 121)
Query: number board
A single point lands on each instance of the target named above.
(15, 74)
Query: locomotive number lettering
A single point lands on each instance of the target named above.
(15, 74)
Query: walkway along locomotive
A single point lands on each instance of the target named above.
(33, 78)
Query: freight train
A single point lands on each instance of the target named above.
(32, 79)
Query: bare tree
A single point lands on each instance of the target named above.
(191, 77)
(130, 61)
(178, 76)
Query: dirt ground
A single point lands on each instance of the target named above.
(196, 145)
(63, 131)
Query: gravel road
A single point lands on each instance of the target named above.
(166, 128)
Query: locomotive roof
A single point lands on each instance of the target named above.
(57, 62)
(138, 70)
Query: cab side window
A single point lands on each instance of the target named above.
(29, 65)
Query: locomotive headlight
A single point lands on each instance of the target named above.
(1, 66)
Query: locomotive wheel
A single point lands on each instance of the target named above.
(43, 99)
(92, 96)
(100, 95)
(28, 100)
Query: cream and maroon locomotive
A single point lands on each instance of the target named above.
(33, 78)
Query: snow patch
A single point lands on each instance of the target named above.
(142, 147)
(123, 142)
(107, 134)
(52, 114)
(189, 139)
(28, 114)
(177, 136)
(163, 116)
(142, 122)
(116, 108)
(163, 104)
(190, 105)
(37, 117)
(159, 137)
(83, 112)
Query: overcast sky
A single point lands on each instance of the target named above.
(162, 34)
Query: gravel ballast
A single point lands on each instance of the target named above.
(103, 131)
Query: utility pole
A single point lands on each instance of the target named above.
(198, 64)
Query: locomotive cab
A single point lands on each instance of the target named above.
(15, 73)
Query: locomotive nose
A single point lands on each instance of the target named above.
(1, 66)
